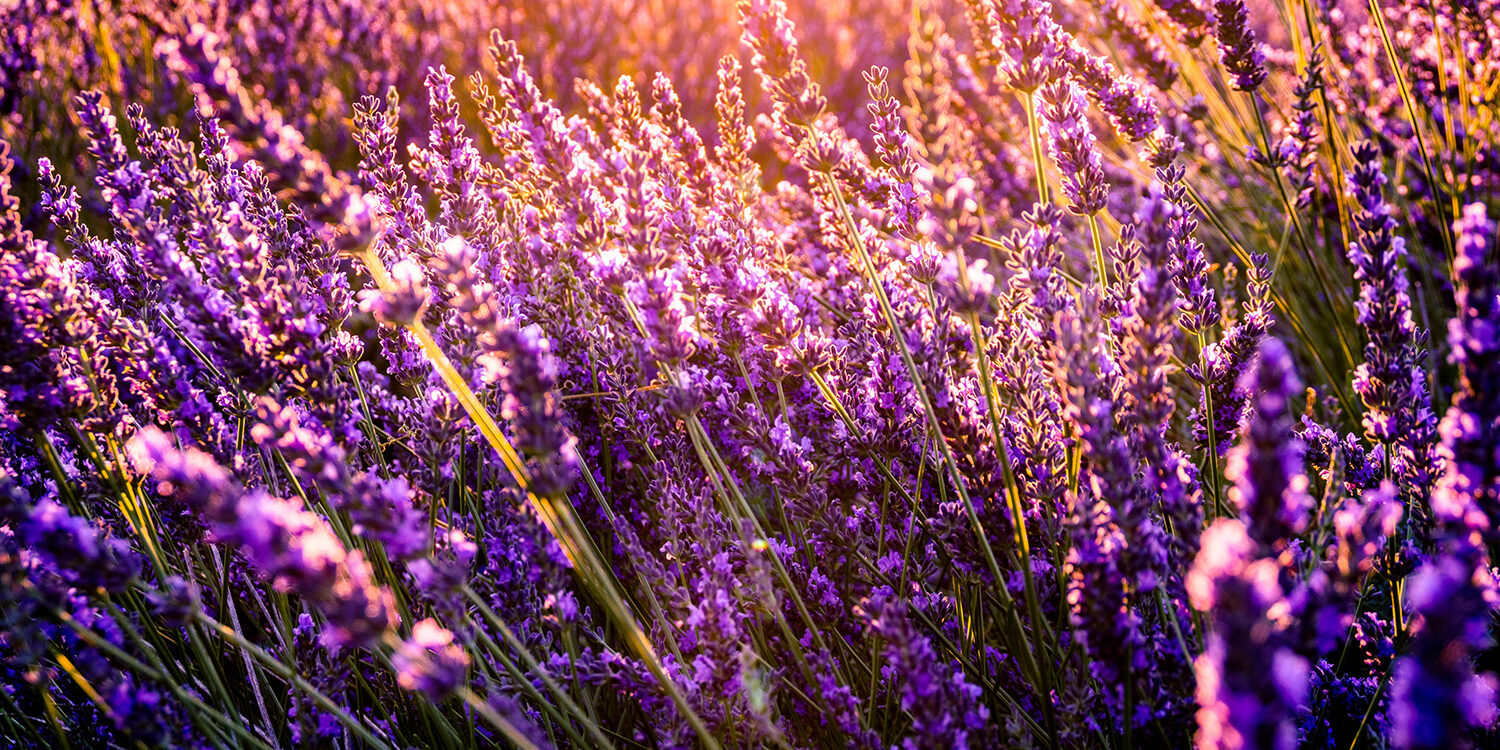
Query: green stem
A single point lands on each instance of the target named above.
(1034, 130)
(87, 635)
(596, 737)
(1100, 266)
(274, 666)
(1213, 439)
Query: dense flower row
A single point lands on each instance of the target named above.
(1075, 377)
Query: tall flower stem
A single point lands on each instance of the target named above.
(1215, 481)
(1100, 266)
(1034, 131)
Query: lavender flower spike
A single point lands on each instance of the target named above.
(1270, 487)
(1072, 145)
(1242, 55)
(1391, 381)
(1467, 495)
(430, 662)
(1250, 680)
(292, 547)
(1435, 695)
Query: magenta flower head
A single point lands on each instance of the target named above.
(1250, 679)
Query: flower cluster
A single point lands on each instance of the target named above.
(971, 374)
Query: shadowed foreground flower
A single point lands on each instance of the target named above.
(1242, 55)
(1250, 680)
(1270, 488)
(1436, 696)
(1467, 496)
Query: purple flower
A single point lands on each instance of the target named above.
(1242, 55)
(1298, 149)
(1125, 100)
(292, 547)
(78, 550)
(380, 508)
(967, 290)
(1435, 694)
(1391, 382)
(520, 359)
(772, 38)
(1466, 498)
(430, 662)
(1189, 15)
(907, 197)
(403, 303)
(1344, 458)
(735, 138)
(1270, 487)
(1141, 43)
(802, 375)
(1250, 680)
(1071, 143)
(1020, 38)
(944, 706)
(1225, 397)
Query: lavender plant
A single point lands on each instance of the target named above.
(1101, 375)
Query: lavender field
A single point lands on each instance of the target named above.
(911, 374)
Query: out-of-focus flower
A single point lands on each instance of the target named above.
(404, 302)
(1250, 680)
(430, 662)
